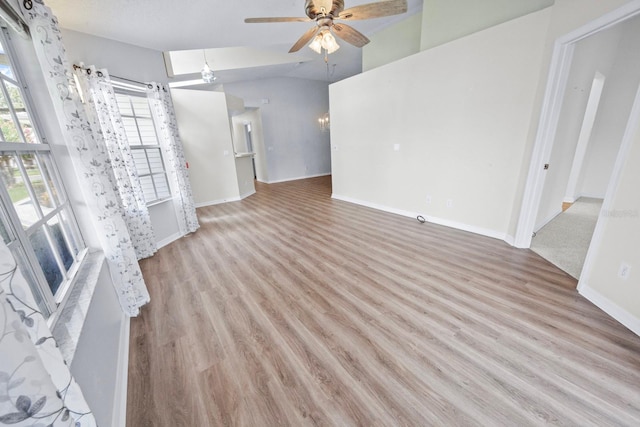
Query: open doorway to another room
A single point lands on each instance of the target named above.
(565, 239)
(594, 108)
(249, 141)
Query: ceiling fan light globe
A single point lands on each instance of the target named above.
(316, 44)
(329, 42)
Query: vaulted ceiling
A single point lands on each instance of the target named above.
(170, 25)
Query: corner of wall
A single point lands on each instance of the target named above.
(612, 309)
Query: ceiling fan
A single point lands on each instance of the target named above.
(326, 12)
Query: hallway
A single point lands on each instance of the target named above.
(565, 240)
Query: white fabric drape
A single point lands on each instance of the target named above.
(167, 129)
(90, 159)
(36, 387)
(105, 119)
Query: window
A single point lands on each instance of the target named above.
(36, 220)
(145, 148)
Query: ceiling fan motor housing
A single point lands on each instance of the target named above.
(324, 12)
(313, 8)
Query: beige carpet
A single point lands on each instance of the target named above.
(564, 241)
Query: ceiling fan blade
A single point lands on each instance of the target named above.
(375, 10)
(276, 19)
(350, 35)
(306, 38)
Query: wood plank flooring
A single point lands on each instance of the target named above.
(290, 308)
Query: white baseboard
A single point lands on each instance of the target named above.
(298, 178)
(591, 196)
(164, 242)
(221, 201)
(547, 220)
(375, 206)
(581, 195)
(244, 196)
(217, 202)
(434, 220)
(119, 417)
(511, 240)
(467, 227)
(612, 309)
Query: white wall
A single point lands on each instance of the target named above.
(392, 43)
(203, 123)
(617, 99)
(165, 223)
(235, 105)
(446, 20)
(295, 146)
(460, 113)
(102, 344)
(240, 143)
(244, 169)
(120, 59)
(596, 53)
(616, 242)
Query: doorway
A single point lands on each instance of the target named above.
(547, 143)
(249, 141)
(565, 239)
(247, 137)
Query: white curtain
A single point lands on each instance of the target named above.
(90, 159)
(106, 122)
(36, 387)
(167, 128)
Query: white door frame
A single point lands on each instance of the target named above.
(571, 194)
(614, 310)
(623, 153)
(550, 114)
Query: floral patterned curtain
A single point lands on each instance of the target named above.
(36, 387)
(167, 128)
(104, 115)
(90, 159)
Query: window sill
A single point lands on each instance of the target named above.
(67, 327)
(157, 202)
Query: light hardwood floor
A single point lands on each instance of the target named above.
(290, 308)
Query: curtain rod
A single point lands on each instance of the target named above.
(149, 85)
(101, 74)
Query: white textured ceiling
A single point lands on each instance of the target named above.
(173, 25)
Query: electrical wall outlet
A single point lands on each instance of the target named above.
(428, 200)
(449, 203)
(396, 147)
(624, 271)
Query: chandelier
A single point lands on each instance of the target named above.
(207, 72)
